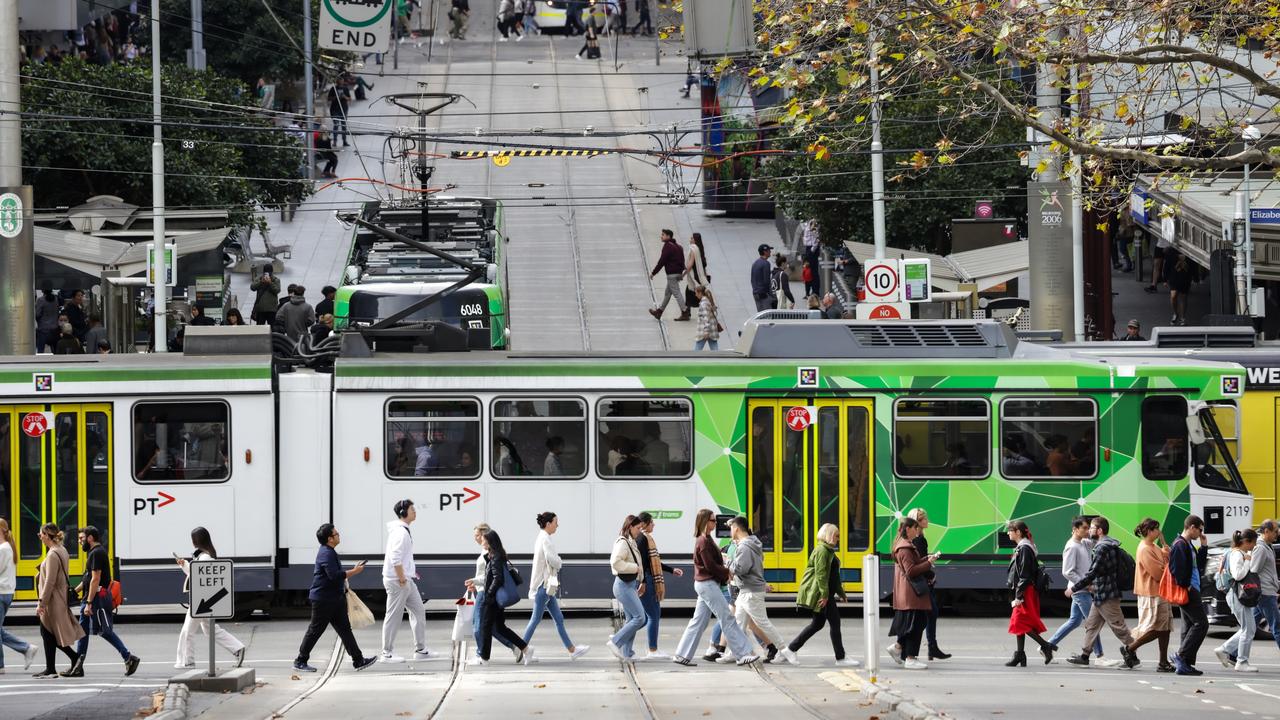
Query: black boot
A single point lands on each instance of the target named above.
(935, 653)
(1046, 651)
(1019, 659)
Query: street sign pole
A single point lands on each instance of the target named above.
(212, 597)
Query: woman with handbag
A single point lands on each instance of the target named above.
(498, 574)
(544, 585)
(476, 586)
(1240, 562)
(820, 589)
(1155, 615)
(911, 604)
(695, 269)
(627, 565)
(204, 550)
(58, 628)
(1024, 574)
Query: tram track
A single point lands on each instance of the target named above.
(335, 662)
(575, 244)
(459, 662)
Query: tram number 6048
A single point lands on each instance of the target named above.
(470, 309)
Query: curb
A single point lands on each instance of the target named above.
(176, 697)
(895, 703)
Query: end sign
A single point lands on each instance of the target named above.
(355, 25)
(213, 593)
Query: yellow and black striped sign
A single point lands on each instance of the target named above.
(543, 152)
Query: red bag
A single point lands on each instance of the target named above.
(117, 595)
(1172, 591)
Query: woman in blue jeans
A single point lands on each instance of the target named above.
(545, 584)
(628, 584)
(8, 585)
(709, 577)
(655, 585)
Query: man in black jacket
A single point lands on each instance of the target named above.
(672, 262)
(760, 280)
(1187, 565)
(1104, 577)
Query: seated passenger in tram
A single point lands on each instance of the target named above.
(552, 466)
(1016, 462)
(1059, 457)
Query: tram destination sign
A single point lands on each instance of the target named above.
(355, 25)
(213, 593)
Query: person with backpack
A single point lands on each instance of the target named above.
(203, 550)
(501, 591)
(1186, 568)
(1076, 556)
(97, 613)
(1111, 575)
(1155, 616)
(709, 576)
(780, 284)
(1025, 578)
(1243, 588)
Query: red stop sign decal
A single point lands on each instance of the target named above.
(34, 424)
(799, 418)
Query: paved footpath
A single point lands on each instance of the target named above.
(973, 684)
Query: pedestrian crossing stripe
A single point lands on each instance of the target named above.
(547, 152)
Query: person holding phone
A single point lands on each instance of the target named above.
(267, 287)
(922, 545)
(911, 607)
(329, 604)
(203, 544)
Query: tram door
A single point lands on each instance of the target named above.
(799, 480)
(55, 467)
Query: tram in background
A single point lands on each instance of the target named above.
(852, 423)
(451, 273)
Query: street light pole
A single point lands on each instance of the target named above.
(308, 126)
(877, 149)
(160, 339)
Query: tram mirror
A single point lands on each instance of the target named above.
(1195, 432)
(722, 526)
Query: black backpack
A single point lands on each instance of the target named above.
(1043, 581)
(1125, 570)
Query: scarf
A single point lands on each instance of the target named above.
(655, 569)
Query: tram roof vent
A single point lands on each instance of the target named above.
(1204, 337)
(765, 336)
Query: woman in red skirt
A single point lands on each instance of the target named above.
(1024, 570)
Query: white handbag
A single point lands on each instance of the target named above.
(357, 612)
(553, 585)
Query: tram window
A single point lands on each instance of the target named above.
(6, 466)
(540, 438)
(1049, 437)
(762, 453)
(1227, 418)
(97, 473)
(644, 437)
(66, 437)
(187, 441)
(433, 438)
(941, 438)
(1164, 438)
(30, 513)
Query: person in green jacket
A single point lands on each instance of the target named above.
(820, 587)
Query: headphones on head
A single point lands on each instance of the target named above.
(402, 508)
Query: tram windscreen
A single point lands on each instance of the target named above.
(1219, 472)
(467, 308)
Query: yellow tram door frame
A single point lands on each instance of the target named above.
(855, 436)
(799, 492)
(27, 514)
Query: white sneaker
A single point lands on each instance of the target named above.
(1107, 662)
(747, 659)
(180, 666)
(502, 39)
(528, 658)
(848, 662)
(390, 659)
(895, 653)
(727, 657)
(617, 651)
(914, 664)
(519, 38)
(790, 656)
(657, 655)
(1244, 666)
(579, 651)
(477, 661)
(29, 656)
(424, 654)
(1224, 657)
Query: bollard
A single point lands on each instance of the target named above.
(871, 612)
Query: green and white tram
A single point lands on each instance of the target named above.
(813, 422)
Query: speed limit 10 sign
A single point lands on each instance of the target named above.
(880, 280)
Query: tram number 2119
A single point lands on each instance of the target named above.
(471, 309)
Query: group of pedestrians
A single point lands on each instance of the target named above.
(95, 598)
(291, 314)
(690, 267)
(65, 326)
